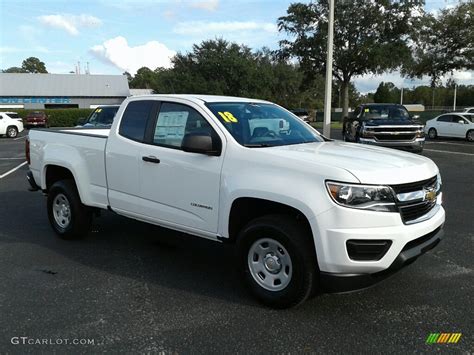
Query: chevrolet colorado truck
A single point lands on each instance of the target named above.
(384, 125)
(306, 214)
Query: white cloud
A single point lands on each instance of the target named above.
(117, 52)
(209, 5)
(70, 23)
(216, 28)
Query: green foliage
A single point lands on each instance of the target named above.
(443, 43)
(59, 117)
(218, 67)
(369, 36)
(387, 93)
(33, 65)
(29, 65)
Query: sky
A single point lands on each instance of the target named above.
(114, 36)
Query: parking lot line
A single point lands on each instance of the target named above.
(13, 170)
(449, 143)
(445, 151)
(15, 139)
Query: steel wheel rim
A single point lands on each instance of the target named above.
(431, 133)
(11, 132)
(270, 264)
(62, 211)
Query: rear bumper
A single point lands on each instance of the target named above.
(332, 282)
(415, 145)
(32, 182)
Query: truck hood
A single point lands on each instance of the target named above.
(369, 164)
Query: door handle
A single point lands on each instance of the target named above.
(151, 159)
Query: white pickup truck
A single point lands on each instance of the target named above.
(307, 214)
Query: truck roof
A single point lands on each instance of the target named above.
(197, 98)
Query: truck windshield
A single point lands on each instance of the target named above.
(385, 112)
(262, 125)
(102, 116)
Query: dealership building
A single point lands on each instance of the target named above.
(49, 91)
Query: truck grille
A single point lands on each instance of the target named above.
(393, 133)
(411, 210)
(395, 137)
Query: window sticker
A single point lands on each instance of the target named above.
(366, 110)
(98, 110)
(228, 117)
(171, 125)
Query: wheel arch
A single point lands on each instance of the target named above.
(245, 209)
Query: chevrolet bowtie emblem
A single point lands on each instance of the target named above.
(430, 195)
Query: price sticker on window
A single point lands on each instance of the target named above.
(366, 110)
(98, 110)
(228, 117)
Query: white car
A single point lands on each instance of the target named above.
(10, 124)
(468, 110)
(305, 213)
(454, 124)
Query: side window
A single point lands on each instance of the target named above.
(174, 121)
(134, 120)
(445, 118)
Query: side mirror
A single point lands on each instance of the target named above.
(81, 121)
(416, 117)
(461, 121)
(202, 143)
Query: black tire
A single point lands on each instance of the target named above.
(432, 133)
(470, 135)
(288, 232)
(80, 215)
(12, 132)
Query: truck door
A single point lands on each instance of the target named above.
(177, 187)
(123, 160)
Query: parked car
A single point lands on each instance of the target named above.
(101, 117)
(468, 110)
(10, 124)
(454, 124)
(306, 214)
(302, 113)
(386, 125)
(37, 118)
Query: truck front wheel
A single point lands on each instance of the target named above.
(278, 261)
(67, 215)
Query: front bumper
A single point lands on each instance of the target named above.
(332, 282)
(414, 145)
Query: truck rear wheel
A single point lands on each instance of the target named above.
(278, 262)
(67, 215)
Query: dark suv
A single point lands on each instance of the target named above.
(387, 125)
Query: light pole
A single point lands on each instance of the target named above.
(455, 92)
(328, 91)
(401, 96)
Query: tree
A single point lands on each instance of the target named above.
(33, 65)
(442, 44)
(14, 70)
(387, 93)
(143, 79)
(369, 37)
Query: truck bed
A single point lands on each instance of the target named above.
(83, 149)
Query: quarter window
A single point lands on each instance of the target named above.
(134, 120)
(174, 121)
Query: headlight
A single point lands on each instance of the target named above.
(365, 197)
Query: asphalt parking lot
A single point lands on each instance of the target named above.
(131, 287)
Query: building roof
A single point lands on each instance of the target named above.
(141, 92)
(44, 85)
